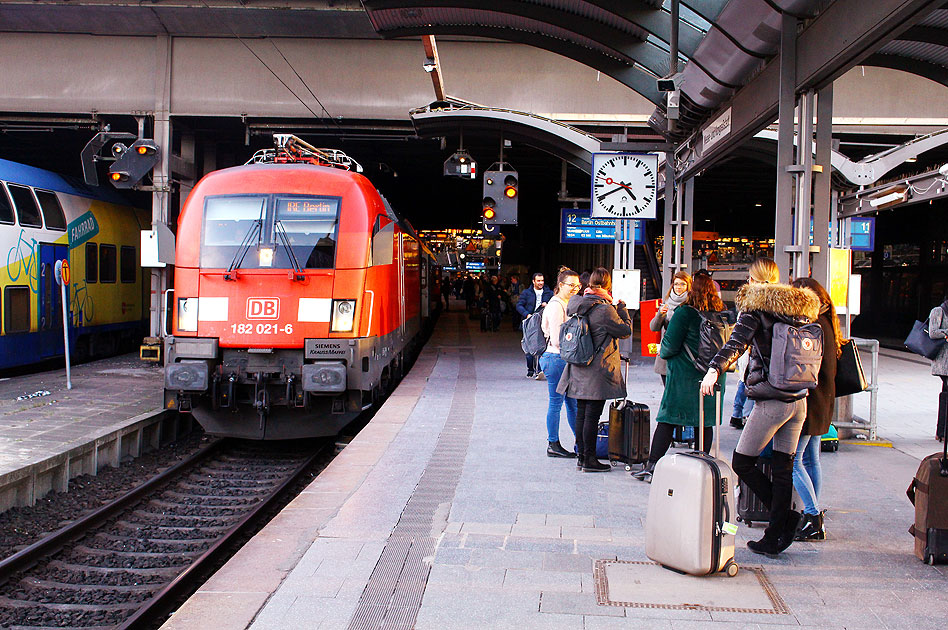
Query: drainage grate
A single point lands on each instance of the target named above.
(392, 595)
(647, 580)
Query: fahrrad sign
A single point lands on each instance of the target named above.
(82, 229)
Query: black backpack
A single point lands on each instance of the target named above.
(534, 341)
(713, 332)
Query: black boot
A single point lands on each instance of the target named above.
(592, 464)
(737, 423)
(745, 467)
(783, 521)
(646, 473)
(555, 449)
(811, 528)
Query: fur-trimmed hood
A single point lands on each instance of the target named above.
(779, 299)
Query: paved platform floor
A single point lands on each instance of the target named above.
(446, 513)
(39, 417)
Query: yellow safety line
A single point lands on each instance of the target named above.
(882, 443)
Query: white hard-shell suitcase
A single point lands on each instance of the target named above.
(689, 526)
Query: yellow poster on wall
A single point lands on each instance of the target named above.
(840, 263)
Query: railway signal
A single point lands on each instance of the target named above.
(133, 163)
(501, 193)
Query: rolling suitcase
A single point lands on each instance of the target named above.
(629, 431)
(690, 506)
(750, 509)
(929, 493)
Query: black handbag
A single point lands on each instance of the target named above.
(919, 342)
(850, 379)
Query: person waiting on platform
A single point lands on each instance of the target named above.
(567, 285)
(807, 472)
(676, 296)
(591, 385)
(938, 329)
(531, 299)
(778, 415)
(514, 291)
(679, 406)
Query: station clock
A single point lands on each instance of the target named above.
(624, 185)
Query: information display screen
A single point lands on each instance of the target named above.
(862, 232)
(306, 207)
(576, 226)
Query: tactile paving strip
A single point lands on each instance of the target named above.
(603, 598)
(392, 595)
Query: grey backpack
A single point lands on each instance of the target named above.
(795, 356)
(534, 341)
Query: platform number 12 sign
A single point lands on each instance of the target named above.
(624, 185)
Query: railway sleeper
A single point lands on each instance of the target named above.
(170, 544)
(6, 602)
(153, 518)
(219, 485)
(151, 576)
(192, 508)
(30, 582)
(206, 499)
(180, 533)
(106, 553)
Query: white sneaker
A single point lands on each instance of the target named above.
(539, 376)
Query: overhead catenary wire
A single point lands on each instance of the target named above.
(278, 78)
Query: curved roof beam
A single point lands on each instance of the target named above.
(925, 34)
(655, 22)
(630, 76)
(934, 72)
(563, 141)
(624, 43)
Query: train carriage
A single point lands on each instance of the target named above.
(298, 293)
(45, 217)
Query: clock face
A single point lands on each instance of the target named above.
(623, 185)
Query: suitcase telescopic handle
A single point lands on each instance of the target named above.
(716, 444)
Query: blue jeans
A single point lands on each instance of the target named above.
(741, 402)
(807, 473)
(553, 366)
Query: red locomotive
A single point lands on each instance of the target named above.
(298, 296)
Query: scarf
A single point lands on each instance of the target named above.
(599, 292)
(673, 301)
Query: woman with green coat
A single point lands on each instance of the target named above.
(679, 405)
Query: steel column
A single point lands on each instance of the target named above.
(822, 183)
(783, 226)
(671, 259)
(802, 207)
(686, 195)
(161, 175)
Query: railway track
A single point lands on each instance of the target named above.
(126, 564)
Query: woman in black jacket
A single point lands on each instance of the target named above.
(807, 473)
(777, 414)
(591, 385)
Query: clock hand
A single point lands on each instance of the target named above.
(609, 180)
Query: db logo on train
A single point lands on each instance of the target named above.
(263, 308)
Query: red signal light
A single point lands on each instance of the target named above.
(489, 213)
(510, 192)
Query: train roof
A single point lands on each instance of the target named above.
(40, 178)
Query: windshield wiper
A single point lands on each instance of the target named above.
(285, 240)
(252, 233)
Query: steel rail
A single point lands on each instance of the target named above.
(29, 556)
(163, 601)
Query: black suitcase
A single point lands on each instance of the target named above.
(629, 434)
(942, 415)
(750, 509)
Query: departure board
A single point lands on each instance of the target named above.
(576, 226)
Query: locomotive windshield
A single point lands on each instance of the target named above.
(269, 232)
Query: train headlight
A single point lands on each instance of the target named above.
(188, 314)
(266, 257)
(343, 315)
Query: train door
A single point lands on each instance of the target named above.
(50, 303)
(401, 279)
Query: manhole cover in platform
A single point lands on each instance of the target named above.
(647, 585)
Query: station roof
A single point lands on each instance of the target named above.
(723, 44)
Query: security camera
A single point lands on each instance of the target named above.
(670, 83)
(943, 171)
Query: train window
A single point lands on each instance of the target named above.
(26, 209)
(310, 227)
(17, 311)
(52, 210)
(6, 209)
(127, 264)
(107, 263)
(92, 262)
(227, 222)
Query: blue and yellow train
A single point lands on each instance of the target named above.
(45, 217)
